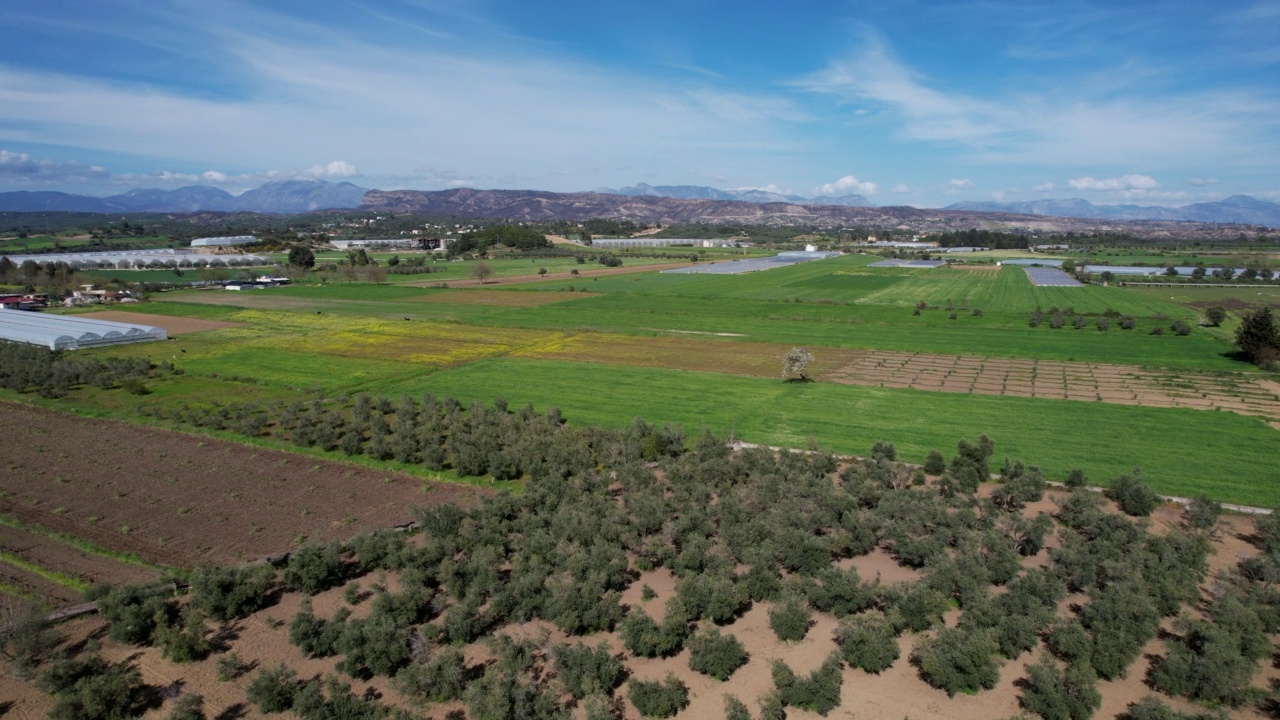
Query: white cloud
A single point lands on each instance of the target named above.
(998, 195)
(1201, 182)
(847, 185)
(959, 183)
(901, 189)
(1046, 187)
(21, 168)
(213, 176)
(1126, 182)
(335, 169)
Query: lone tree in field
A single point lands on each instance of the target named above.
(794, 364)
(1258, 338)
(481, 271)
(300, 256)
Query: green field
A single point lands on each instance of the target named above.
(475, 342)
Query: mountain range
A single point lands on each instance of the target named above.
(536, 206)
(1239, 209)
(280, 196)
(660, 203)
(751, 195)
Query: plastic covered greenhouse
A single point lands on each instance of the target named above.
(71, 332)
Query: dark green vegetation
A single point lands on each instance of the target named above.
(736, 529)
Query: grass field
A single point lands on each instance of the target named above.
(1172, 447)
(700, 349)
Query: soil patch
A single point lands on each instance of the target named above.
(173, 325)
(179, 499)
(1081, 382)
(528, 298)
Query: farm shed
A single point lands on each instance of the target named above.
(71, 332)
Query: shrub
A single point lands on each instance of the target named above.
(586, 671)
(658, 699)
(186, 643)
(1104, 323)
(958, 660)
(440, 679)
(134, 613)
(1069, 641)
(1157, 330)
(1215, 315)
(189, 706)
(272, 689)
(313, 569)
(1035, 319)
(1202, 512)
(935, 463)
(1076, 479)
(734, 709)
(108, 693)
(790, 620)
(1153, 708)
(1057, 320)
(1180, 328)
(231, 593)
(230, 667)
(1054, 695)
(868, 642)
(716, 655)
(1081, 322)
(1134, 496)
(820, 692)
(1127, 322)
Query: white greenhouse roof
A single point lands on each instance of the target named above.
(71, 332)
(128, 259)
(227, 240)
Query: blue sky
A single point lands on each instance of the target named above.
(922, 103)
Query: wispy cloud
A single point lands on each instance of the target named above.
(1202, 182)
(22, 169)
(1073, 124)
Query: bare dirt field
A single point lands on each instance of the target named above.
(1120, 384)
(178, 499)
(173, 325)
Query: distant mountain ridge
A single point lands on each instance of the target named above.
(751, 195)
(1240, 209)
(279, 196)
(540, 206)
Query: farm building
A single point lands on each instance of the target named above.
(224, 241)
(72, 332)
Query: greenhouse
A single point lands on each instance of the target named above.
(139, 259)
(72, 332)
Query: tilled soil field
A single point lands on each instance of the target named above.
(177, 499)
(1120, 384)
(66, 559)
